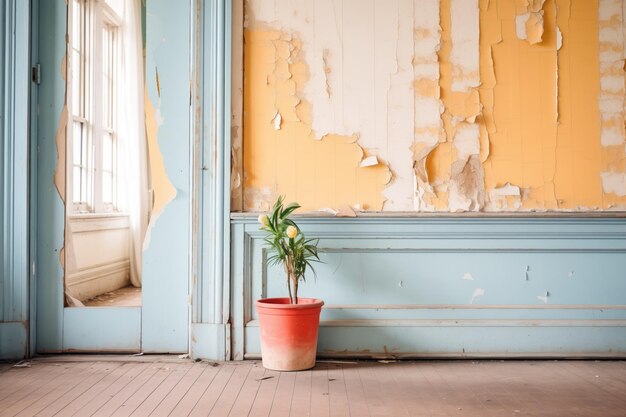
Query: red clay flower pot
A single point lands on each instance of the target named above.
(288, 332)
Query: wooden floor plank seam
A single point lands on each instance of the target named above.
(211, 400)
(171, 398)
(38, 386)
(77, 390)
(208, 371)
(110, 403)
(77, 403)
(145, 404)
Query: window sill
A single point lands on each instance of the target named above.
(91, 222)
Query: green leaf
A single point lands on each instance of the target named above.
(289, 209)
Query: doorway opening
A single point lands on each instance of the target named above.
(107, 187)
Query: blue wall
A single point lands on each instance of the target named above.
(449, 286)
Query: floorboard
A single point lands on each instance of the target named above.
(160, 386)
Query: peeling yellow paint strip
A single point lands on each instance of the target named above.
(518, 95)
(611, 100)
(529, 22)
(236, 130)
(454, 166)
(290, 161)
(61, 140)
(162, 188)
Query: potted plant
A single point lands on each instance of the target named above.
(288, 325)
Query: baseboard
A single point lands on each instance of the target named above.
(90, 282)
(210, 341)
(13, 340)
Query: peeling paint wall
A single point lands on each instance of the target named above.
(431, 105)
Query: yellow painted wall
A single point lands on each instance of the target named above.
(530, 96)
(281, 153)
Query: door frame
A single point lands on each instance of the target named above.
(55, 328)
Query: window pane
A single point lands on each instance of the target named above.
(77, 11)
(76, 177)
(76, 84)
(77, 142)
(106, 45)
(83, 184)
(107, 187)
(85, 154)
(105, 105)
(107, 152)
(107, 76)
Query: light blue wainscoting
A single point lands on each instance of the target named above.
(448, 286)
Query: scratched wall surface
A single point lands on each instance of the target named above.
(432, 105)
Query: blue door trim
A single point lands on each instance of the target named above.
(14, 151)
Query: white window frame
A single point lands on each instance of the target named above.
(97, 15)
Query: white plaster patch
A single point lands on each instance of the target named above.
(427, 104)
(499, 197)
(397, 107)
(465, 34)
(612, 86)
(614, 182)
(520, 25)
(328, 210)
(506, 190)
(467, 140)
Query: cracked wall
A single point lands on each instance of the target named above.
(431, 105)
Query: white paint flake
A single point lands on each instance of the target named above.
(370, 161)
(468, 276)
(479, 292)
(277, 121)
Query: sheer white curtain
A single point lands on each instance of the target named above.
(132, 134)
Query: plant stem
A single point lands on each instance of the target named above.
(288, 272)
(295, 289)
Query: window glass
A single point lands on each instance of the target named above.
(93, 49)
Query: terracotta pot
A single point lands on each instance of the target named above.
(288, 332)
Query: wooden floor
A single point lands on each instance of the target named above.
(164, 386)
(124, 297)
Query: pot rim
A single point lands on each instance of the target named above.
(280, 304)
